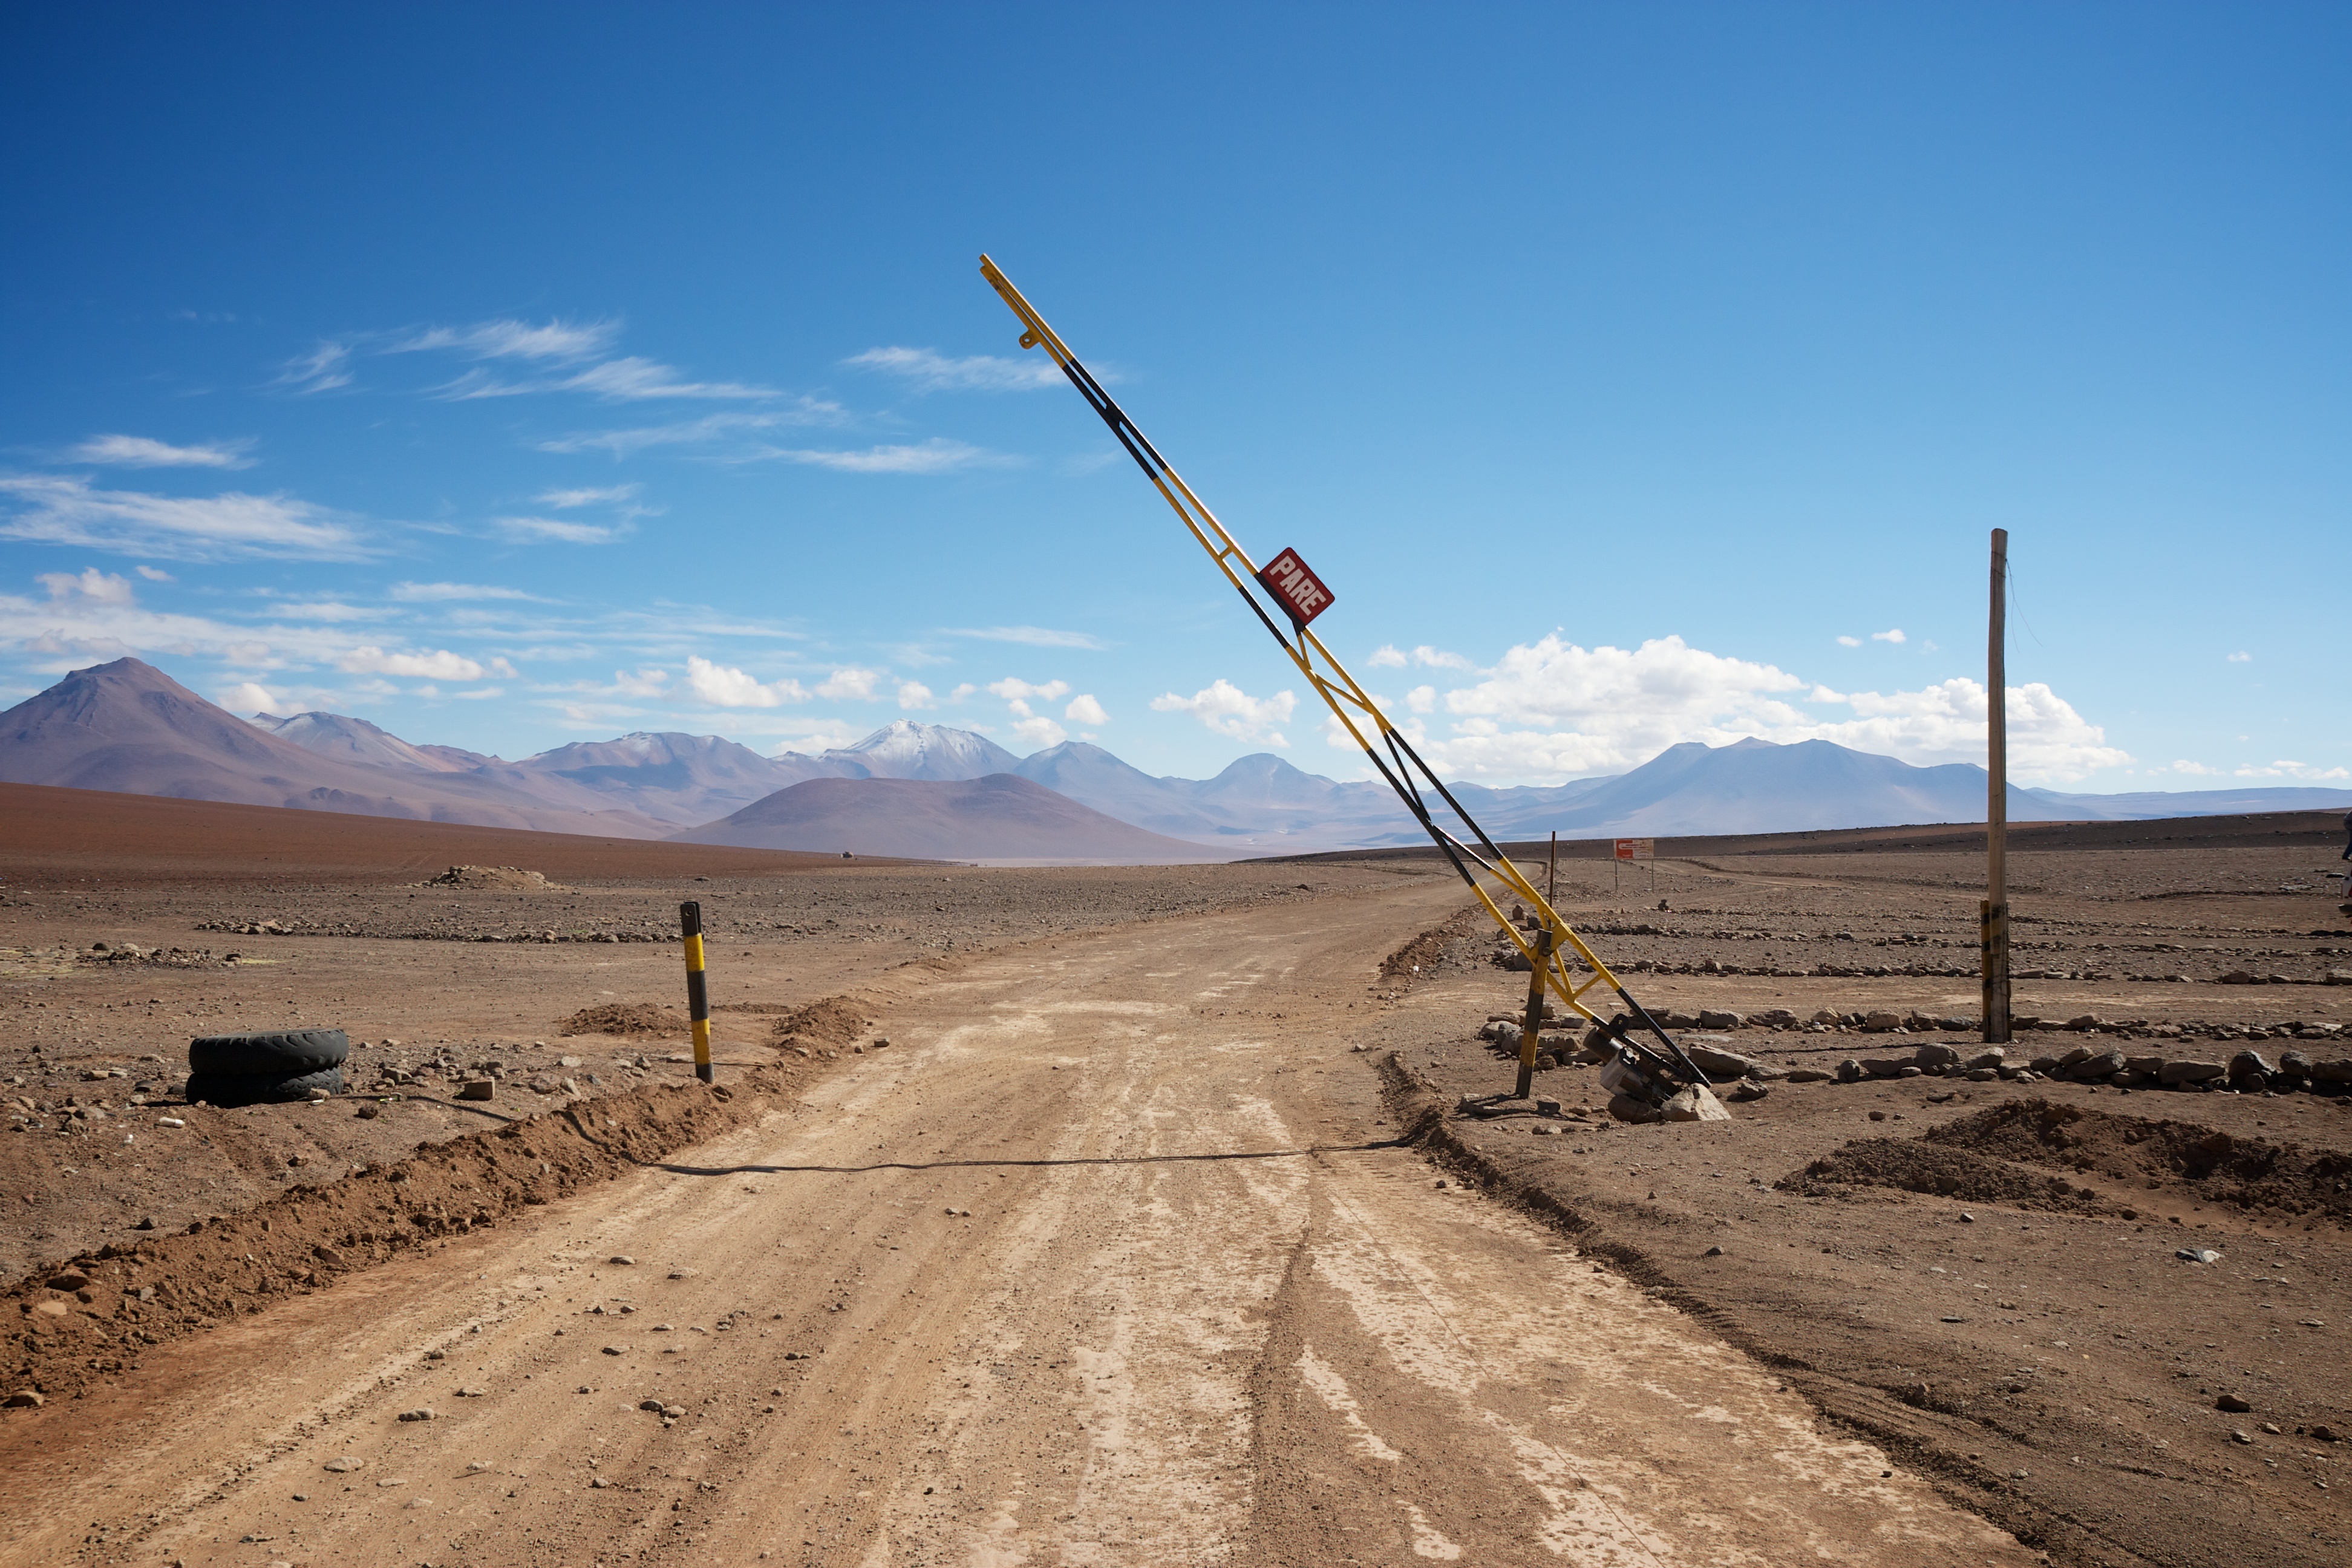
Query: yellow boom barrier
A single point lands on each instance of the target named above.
(1554, 943)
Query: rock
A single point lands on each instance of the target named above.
(1849, 1071)
(1697, 1103)
(2271, 1427)
(1772, 1018)
(615, 1350)
(653, 1405)
(2235, 1403)
(2045, 1064)
(2250, 1064)
(2085, 1022)
(470, 1393)
(2240, 1434)
(479, 1089)
(1720, 1064)
(1884, 1067)
(2105, 1064)
(2149, 1066)
(2079, 1054)
(24, 1399)
(1625, 1108)
(2173, 1073)
(70, 1280)
(623, 1258)
(1929, 1058)
(673, 1411)
(2198, 1255)
(343, 1466)
(2294, 1064)
(1990, 1056)
(2327, 1434)
(2337, 1071)
(1749, 1089)
(545, 1084)
(1720, 1020)
(1712, 1252)
(1981, 1075)
(1808, 1075)
(422, 1413)
(1881, 1022)
(2339, 977)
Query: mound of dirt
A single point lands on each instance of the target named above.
(1910, 1165)
(2247, 1173)
(636, 1019)
(829, 1022)
(506, 879)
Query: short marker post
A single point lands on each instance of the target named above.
(698, 994)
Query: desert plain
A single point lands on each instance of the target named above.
(1136, 1216)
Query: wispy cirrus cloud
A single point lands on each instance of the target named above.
(505, 338)
(538, 529)
(936, 456)
(1032, 637)
(141, 452)
(564, 500)
(438, 593)
(62, 509)
(628, 380)
(711, 430)
(927, 370)
(325, 368)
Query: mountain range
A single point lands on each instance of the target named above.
(128, 727)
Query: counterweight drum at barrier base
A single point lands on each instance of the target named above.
(697, 994)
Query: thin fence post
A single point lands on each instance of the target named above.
(698, 994)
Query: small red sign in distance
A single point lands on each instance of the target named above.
(1302, 593)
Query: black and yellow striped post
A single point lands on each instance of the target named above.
(698, 994)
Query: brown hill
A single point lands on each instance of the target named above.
(997, 818)
(55, 836)
(128, 727)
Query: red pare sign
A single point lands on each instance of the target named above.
(1302, 593)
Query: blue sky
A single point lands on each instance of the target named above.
(511, 375)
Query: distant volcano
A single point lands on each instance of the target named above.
(998, 818)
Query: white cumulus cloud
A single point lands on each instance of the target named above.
(1891, 634)
(849, 683)
(97, 588)
(1084, 710)
(724, 686)
(251, 697)
(1388, 656)
(1229, 710)
(1552, 709)
(439, 665)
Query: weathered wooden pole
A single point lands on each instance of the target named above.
(1993, 932)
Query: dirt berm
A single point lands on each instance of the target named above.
(91, 1317)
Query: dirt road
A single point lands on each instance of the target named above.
(1109, 1259)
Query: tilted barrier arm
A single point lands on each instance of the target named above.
(1549, 950)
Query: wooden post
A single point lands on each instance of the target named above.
(697, 993)
(1993, 929)
(1531, 1032)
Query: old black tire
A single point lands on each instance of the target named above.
(261, 1088)
(288, 1051)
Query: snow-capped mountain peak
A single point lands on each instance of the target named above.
(904, 748)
